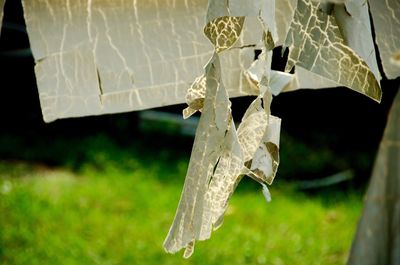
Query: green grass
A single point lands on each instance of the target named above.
(117, 206)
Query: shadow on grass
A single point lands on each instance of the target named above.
(98, 151)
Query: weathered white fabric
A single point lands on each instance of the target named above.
(96, 57)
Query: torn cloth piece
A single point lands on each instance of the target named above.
(225, 19)
(219, 160)
(386, 19)
(265, 162)
(355, 26)
(316, 44)
(215, 132)
(223, 32)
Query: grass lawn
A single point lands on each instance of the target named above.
(117, 206)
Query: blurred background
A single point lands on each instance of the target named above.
(103, 190)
